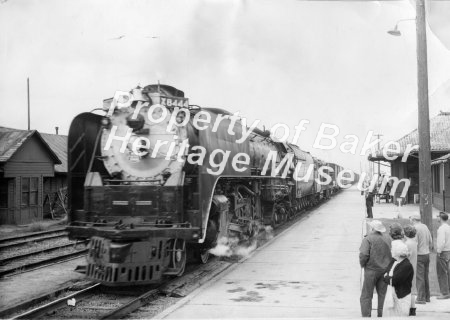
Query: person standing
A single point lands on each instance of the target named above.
(411, 243)
(369, 205)
(400, 277)
(374, 258)
(396, 231)
(424, 245)
(443, 256)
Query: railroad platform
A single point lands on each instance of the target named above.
(34, 283)
(310, 270)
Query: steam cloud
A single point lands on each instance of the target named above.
(230, 246)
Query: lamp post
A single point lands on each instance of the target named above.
(423, 114)
(395, 31)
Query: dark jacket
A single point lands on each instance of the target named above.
(401, 277)
(369, 200)
(375, 252)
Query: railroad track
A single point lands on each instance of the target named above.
(100, 302)
(94, 302)
(25, 252)
(22, 240)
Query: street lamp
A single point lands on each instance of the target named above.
(395, 31)
(424, 116)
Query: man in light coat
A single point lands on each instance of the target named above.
(443, 256)
(424, 246)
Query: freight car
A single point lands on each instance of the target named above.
(145, 189)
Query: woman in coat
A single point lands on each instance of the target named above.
(411, 243)
(400, 276)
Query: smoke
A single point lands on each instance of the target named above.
(222, 249)
(243, 251)
(268, 233)
(230, 247)
(233, 247)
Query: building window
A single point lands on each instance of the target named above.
(30, 191)
(436, 173)
(3, 193)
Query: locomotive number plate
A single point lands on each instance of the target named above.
(143, 203)
(175, 102)
(119, 203)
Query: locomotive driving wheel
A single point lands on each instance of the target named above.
(179, 256)
(276, 218)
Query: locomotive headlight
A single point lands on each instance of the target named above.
(118, 252)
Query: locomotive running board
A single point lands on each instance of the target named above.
(88, 232)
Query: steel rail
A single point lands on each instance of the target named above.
(23, 242)
(42, 262)
(37, 252)
(130, 306)
(54, 305)
(29, 235)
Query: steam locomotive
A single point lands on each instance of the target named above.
(150, 181)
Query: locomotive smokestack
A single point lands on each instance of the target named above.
(56, 129)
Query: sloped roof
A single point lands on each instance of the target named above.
(58, 143)
(12, 140)
(439, 137)
(440, 160)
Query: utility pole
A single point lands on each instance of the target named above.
(378, 137)
(424, 117)
(28, 97)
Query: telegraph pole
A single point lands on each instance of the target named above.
(378, 137)
(379, 169)
(424, 117)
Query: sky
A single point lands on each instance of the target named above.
(278, 61)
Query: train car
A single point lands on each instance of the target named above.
(148, 182)
(336, 170)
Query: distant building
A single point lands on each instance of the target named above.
(32, 165)
(440, 147)
(440, 170)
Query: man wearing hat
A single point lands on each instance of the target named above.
(424, 245)
(374, 257)
(443, 256)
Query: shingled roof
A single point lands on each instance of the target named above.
(12, 140)
(58, 143)
(439, 137)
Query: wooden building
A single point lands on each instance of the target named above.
(55, 188)
(26, 161)
(440, 170)
(440, 146)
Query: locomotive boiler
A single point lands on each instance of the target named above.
(159, 177)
